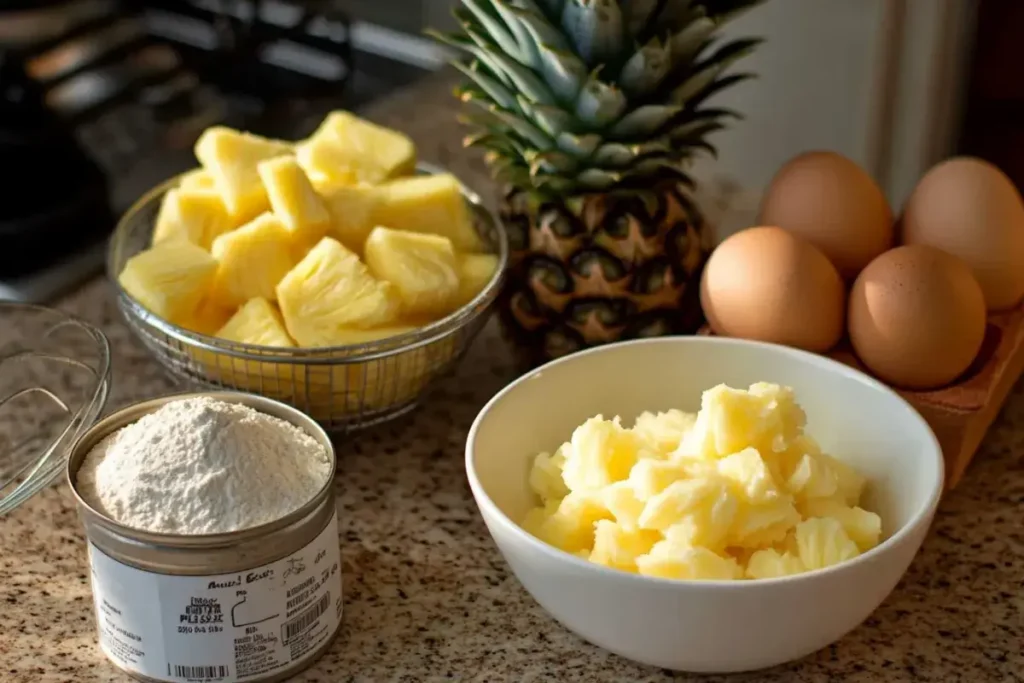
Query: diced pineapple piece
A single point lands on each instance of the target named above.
(475, 272)
(294, 200)
(430, 204)
(618, 547)
(849, 482)
(421, 267)
(351, 209)
(169, 279)
(256, 322)
(622, 502)
(770, 564)
(662, 432)
(695, 564)
(347, 149)
(571, 528)
(751, 475)
(823, 542)
(331, 291)
(864, 527)
(252, 260)
(602, 453)
(763, 524)
(649, 477)
(197, 179)
(194, 215)
(766, 418)
(701, 510)
(209, 317)
(231, 158)
(546, 477)
(812, 478)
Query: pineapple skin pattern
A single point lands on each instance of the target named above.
(591, 113)
(620, 269)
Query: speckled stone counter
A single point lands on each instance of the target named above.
(428, 597)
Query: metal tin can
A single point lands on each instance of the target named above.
(254, 605)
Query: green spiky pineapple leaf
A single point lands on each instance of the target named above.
(579, 96)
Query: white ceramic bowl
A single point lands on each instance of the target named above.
(705, 626)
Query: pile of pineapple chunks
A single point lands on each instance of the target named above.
(328, 242)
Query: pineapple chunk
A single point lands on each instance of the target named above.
(257, 322)
(194, 215)
(209, 317)
(421, 267)
(351, 209)
(197, 179)
(231, 158)
(429, 204)
(347, 149)
(475, 271)
(331, 291)
(169, 279)
(294, 200)
(252, 260)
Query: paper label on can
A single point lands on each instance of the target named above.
(224, 628)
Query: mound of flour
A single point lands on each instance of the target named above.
(202, 466)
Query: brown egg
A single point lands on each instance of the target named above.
(770, 285)
(917, 317)
(969, 208)
(835, 205)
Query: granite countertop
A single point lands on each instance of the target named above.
(427, 595)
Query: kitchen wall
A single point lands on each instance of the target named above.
(877, 80)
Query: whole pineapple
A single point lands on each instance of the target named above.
(591, 112)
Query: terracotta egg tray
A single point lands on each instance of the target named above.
(961, 413)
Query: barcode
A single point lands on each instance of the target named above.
(200, 672)
(306, 619)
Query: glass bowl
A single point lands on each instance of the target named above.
(341, 387)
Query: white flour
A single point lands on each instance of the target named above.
(201, 466)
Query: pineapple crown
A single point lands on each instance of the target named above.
(580, 96)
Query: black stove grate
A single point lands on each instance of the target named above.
(128, 85)
(135, 78)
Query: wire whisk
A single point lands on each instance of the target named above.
(54, 383)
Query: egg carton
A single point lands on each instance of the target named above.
(961, 413)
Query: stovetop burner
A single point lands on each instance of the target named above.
(126, 87)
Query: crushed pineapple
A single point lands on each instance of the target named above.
(736, 491)
(252, 260)
(170, 279)
(194, 215)
(330, 291)
(293, 199)
(423, 268)
(347, 149)
(475, 272)
(231, 158)
(430, 204)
